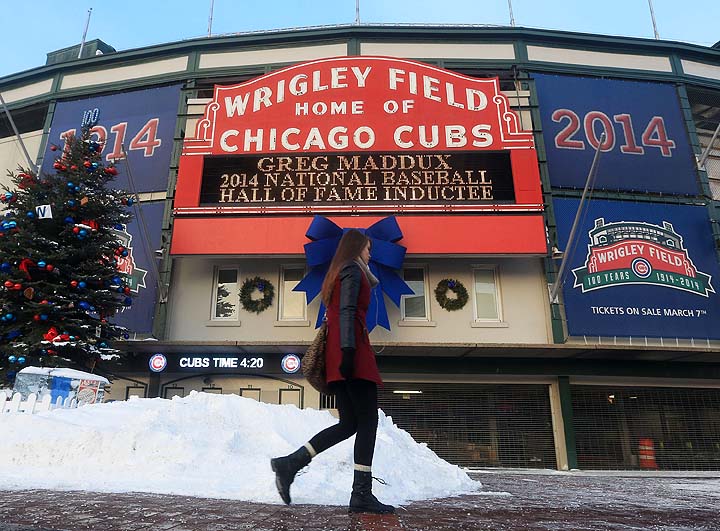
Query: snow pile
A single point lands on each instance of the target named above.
(209, 445)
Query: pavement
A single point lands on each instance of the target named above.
(509, 501)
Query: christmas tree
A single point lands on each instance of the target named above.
(59, 284)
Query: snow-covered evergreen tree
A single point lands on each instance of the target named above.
(59, 284)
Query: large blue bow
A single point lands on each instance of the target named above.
(387, 257)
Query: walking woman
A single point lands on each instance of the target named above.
(351, 372)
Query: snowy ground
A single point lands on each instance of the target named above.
(208, 445)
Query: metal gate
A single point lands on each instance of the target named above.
(663, 428)
(476, 425)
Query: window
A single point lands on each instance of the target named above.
(292, 305)
(485, 292)
(226, 295)
(415, 307)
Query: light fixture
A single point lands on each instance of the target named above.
(407, 392)
(557, 254)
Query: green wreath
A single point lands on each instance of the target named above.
(248, 288)
(461, 294)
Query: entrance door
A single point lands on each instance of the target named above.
(476, 425)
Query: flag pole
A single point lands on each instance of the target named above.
(652, 15)
(512, 17)
(589, 185)
(17, 134)
(210, 18)
(82, 42)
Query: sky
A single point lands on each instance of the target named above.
(209, 445)
(32, 28)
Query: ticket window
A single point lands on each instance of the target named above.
(174, 391)
(135, 390)
(214, 390)
(250, 392)
(290, 396)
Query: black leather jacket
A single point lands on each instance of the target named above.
(350, 282)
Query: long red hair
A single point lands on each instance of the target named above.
(351, 245)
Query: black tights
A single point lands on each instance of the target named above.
(356, 401)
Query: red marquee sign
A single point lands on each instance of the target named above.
(359, 135)
(358, 104)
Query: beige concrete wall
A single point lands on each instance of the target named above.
(522, 286)
(11, 154)
(420, 50)
(601, 59)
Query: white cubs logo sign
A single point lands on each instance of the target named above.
(291, 363)
(635, 252)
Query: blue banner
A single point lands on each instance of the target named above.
(143, 121)
(138, 318)
(640, 270)
(646, 146)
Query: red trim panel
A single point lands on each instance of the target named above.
(422, 234)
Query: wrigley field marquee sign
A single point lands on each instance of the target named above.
(365, 133)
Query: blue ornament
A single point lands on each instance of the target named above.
(451, 284)
(77, 188)
(31, 214)
(118, 227)
(69, 220)
(43, 352)
(127, 301)
(116, 280)
(8, 196)
(94, 165)
(12, 224)
(12, 359)
(81, 284)
(43, 317)
(11, 375)
(84, 305)
(124, 253)
(126, 335)
(71, 203)
(5, 267)
(261, 286)
(21, 360)
(130, 201)
(83, 232)
(103, 344)
(70, 185)
(9, 316)
(13, 334)
(41, 264)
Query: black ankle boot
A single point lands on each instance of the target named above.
(285, 469)
(362, 499)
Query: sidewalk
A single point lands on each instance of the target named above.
(510, 500)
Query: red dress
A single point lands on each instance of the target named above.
(365, 365)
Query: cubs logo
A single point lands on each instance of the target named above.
(291, 363)
(157, 362)
(635, 252)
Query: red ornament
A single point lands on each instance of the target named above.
(17, 287)
(76, 229)
(44, 301)
(127, 290)
(51, 352)
(49, 267)
(111, 170)
(87, 164)
(36, 317)
(8, 284)
(74, 283)
(51, 334)
(53, 147)
(74, 167)
(64, 337)
(57, 165)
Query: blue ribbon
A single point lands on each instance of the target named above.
(386, 258)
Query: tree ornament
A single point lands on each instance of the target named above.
(53, 147)
(461, 294)
(264, 286)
